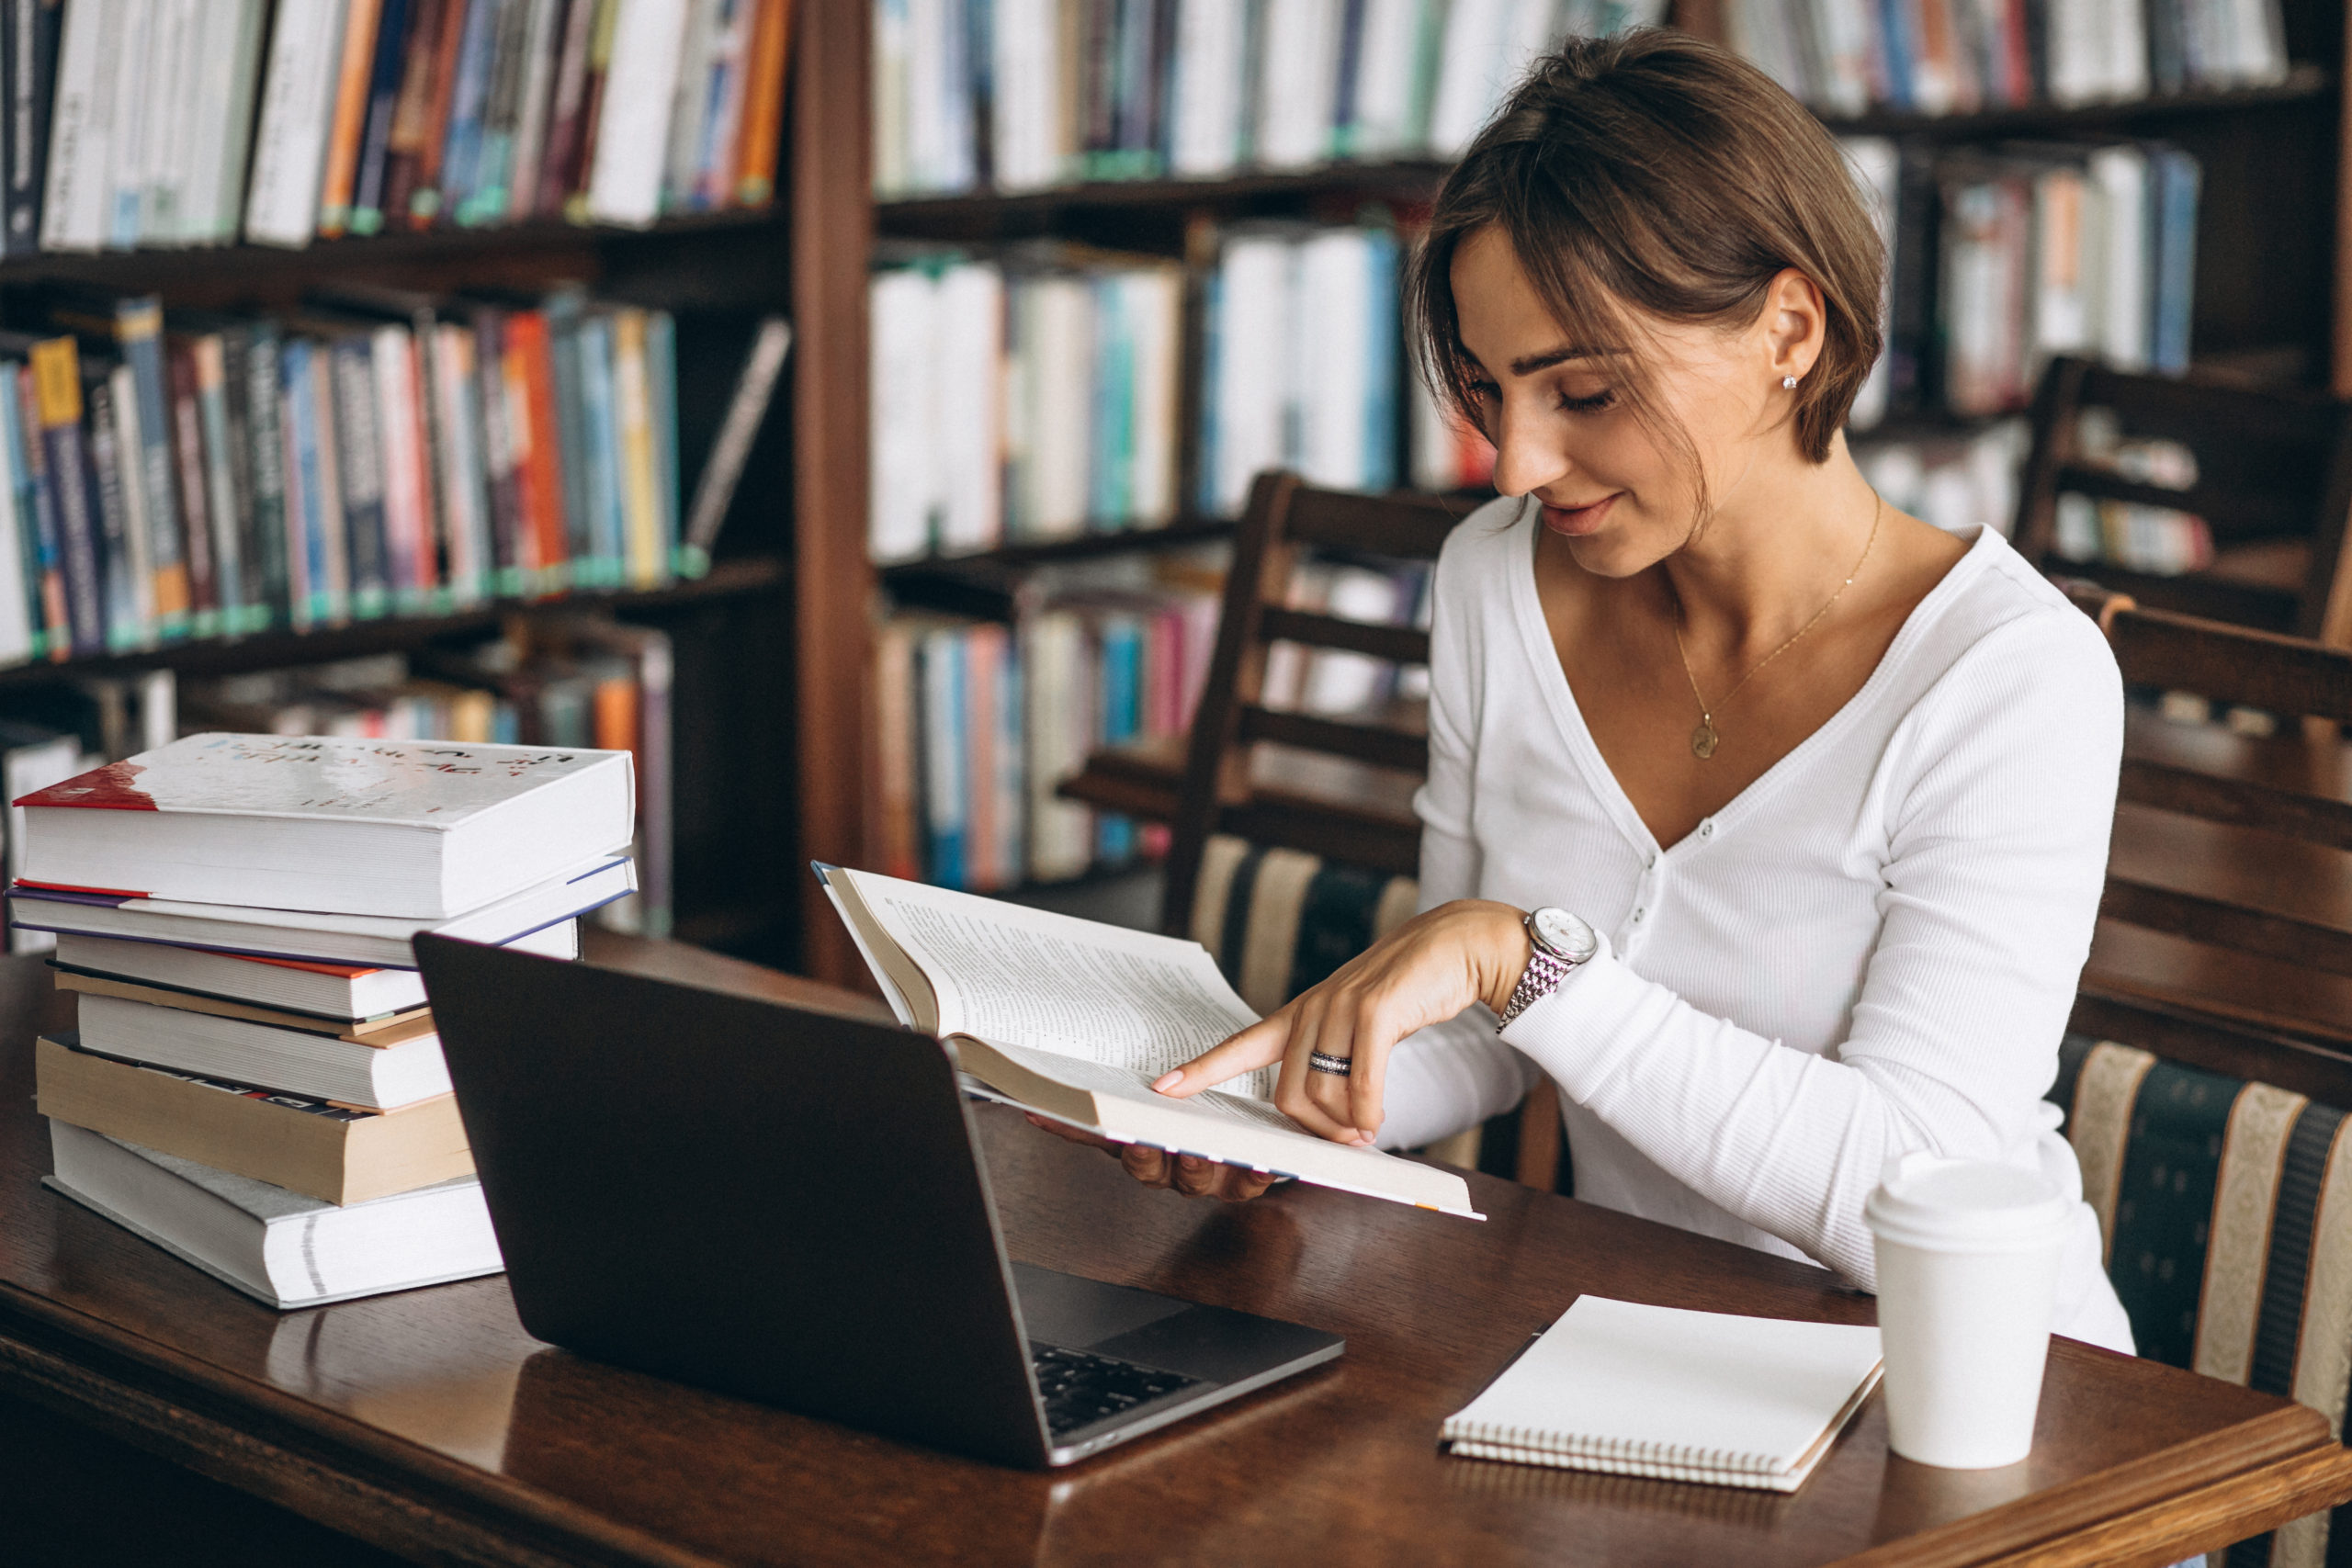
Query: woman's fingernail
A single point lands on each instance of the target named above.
(1166, 1081)
(1191, 1162)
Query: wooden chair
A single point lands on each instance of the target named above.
(2225, 1210)
(2274, 485)
(1293, 841)
(2224, 938)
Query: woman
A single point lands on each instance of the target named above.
(1809, 799)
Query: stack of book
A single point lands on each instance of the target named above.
(255, 1083)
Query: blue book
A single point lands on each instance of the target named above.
(298, 364)
(36, 524)
(1212, 354)
(461, 151)
(138, 332)
(2175, 177)
(1898, 48)
(124, 629)
(608, 520)
(1121, 680)
(1111, 467)
(1381, 356)
(351, 361)
(375, 141)
(945, 748)
(661, 381)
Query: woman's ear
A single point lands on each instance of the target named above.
(1795, 325)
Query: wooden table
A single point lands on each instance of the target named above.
(431, 1423)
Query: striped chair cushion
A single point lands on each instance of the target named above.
(2226, 1209)
(1279, 920)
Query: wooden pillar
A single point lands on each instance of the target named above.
(832, 589)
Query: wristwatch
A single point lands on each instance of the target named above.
(1562, 944)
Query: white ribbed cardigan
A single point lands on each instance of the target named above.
(1872, 950)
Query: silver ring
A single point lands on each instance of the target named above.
(1324, 1062)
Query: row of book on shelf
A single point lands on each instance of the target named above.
(1057, 374)
(189, 122)
(381, 453)
(255, 1081)
(1019, 95)
(982, 715)
(1939, 57)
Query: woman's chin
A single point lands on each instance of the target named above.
(1613, 552)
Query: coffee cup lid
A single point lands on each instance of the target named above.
(1964, 1205)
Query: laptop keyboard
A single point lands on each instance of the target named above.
(1081, 1388)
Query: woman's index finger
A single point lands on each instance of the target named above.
(1254, 1048)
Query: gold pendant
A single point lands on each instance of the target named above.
(1702, 739)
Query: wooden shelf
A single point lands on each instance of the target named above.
(2305, 83)
(396, 249)
(1085, 547)
(266, 650)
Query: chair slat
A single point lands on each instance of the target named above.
(2224, 924)
(2189, 409)
(1410, 527)
(2231, 514)
(1317, 828)
(2240, 801)
(1365, 742)
(1401, 645)
(2241, 1051)
(2279, 674)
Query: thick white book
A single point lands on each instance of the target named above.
(539, 919)
(347, 1068)
(633, 126)
(427, 830)
(1074, 1019)
(1674, 1394)
(349, 991)
(297, 102)
(281, 1249)
(81, 130)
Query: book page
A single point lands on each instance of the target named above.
(1049, 982)
(1127, 1084)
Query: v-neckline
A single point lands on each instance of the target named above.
(1527, 607)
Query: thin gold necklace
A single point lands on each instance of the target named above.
(1704, 738)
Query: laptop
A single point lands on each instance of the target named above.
(791, 1207)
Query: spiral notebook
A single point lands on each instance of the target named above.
(1677, 1396)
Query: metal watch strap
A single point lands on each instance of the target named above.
(1541, 977)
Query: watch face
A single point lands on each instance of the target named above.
(1565, 934)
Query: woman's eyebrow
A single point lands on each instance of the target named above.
(1529, 363)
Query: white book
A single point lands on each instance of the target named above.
(391, 362)
(966, 362)
(1064, 382)
(423, 829)
(1468, 64)
(296, 104)
(1877, 165)
(281, 1249)
(901, 389)
(541, 49)
(1389, 115)
(1334, 302)
(2125, 328)
(1056, 738)
(1678, 1395)
(1298, 82)
(1252, 391)
(633, 125)
(682, 163)
(131, 437)
(219, 172)
(181, 39)
(317, 1065)
(1154, 310)
(1848, 33)
(457, 434)
(890, 24)
(1074, 1019)
(80, 158)
(1026, 112)
(1209, 93)
(139, 102)
(346, 991)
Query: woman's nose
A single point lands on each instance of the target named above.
(1525, 459)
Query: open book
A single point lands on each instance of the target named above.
(1074, 1019)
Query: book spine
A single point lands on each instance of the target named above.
(432, 526)
(540, 456)
(52, 636)
(138, 332)
(457, 426)
(606, 485)
(124, 630)
(633, 122)
(662, 386)
(305, 529)
(486, 201)
(633, 401)
(723, 469)
(393, 39)
(497, 399)
(541, 56)
(392, 363)
(325, 503)
(424, 202)
(461, 154)
(260, 394)
(359, 460)
(411, 117)
(195, 511)
(572, 439)
(282, 206)
(73, 197)
(591, 121)
(207, 360)
(942, 758)
(33, 28)
(558, 171)
(718, 159)
(763, 105)
(351, 79)
(22, 634)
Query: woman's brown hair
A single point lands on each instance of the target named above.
(1653, 174)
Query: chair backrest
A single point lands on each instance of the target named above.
(2274, 484)
(2225, 1210)
(1345, 793)
(2225, 935)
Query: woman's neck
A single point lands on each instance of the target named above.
(1775, 551)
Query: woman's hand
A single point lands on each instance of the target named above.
(1425, 971)
(1188, 1174)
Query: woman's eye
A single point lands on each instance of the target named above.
(1592, 404)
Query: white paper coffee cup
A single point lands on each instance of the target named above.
(1968, 1259)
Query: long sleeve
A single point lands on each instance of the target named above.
(1999, 787)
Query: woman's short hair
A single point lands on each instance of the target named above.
(1655, 173)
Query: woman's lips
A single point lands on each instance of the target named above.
(1577, 521)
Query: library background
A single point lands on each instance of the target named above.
(848, 406)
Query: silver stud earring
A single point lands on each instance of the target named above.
(1790, 382)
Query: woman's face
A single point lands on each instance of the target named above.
(1563, 432)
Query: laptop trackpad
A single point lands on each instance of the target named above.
(1063, 1309)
